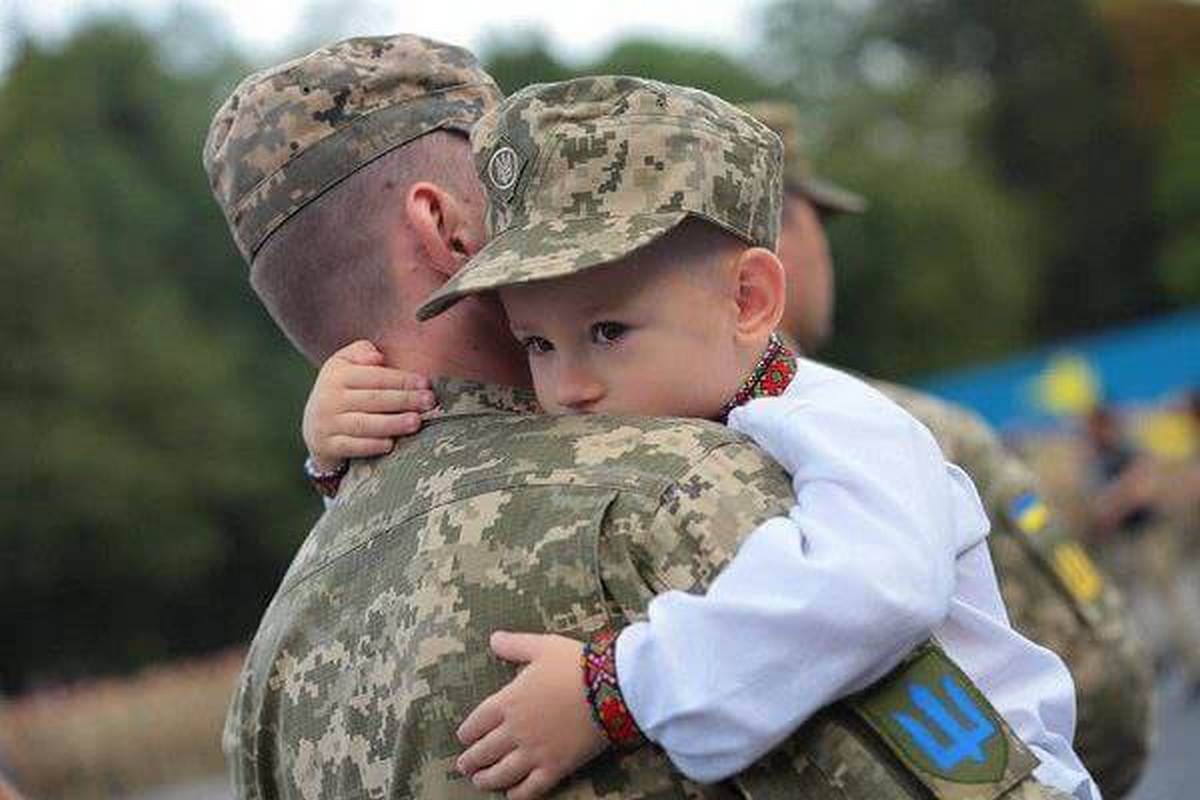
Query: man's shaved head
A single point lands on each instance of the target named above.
(326, 275)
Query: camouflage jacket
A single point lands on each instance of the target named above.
(1054, 594)
(374, 647)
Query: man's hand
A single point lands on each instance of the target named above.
(358, 406)
(536, 730)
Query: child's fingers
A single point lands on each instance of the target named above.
(536, 784)
(376, 426)
(347, 447)
(508, 771)
(390, 400)
(359, 376)
(517, 647)
(414, 380)
(487, 715)
(360, 352)
(495, 745)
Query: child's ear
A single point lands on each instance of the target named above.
(444, 227)
(761, 293)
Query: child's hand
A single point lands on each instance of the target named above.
(357, 406)
(537, 729)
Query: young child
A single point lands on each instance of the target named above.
(633, 224)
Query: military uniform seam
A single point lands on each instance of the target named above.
(662, 509)
(514, 228)
(625, 119)
(490, 484)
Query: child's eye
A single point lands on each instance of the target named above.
(608, 332)
(536, 345)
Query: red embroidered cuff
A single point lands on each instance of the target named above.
(604, 692)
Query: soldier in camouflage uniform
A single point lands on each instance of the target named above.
(374, 646)
(1054, 593)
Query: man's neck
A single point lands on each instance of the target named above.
(469, 346)
(452, 363)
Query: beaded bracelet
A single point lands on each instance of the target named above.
(326, 483)
(599, 661)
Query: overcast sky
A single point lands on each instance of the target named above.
(578, 30)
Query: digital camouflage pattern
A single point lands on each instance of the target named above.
(583, 172)
(375, 648)
(1055, 595)
(289, 133)
(784, 118)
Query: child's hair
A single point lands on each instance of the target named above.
(695, 246)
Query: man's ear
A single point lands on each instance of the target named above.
(446, 229)
(761, 287)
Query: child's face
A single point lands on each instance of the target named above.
(629, 339)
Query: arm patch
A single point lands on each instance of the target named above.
(940, 726)
(1057, 551)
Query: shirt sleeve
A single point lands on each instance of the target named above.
(818, 603)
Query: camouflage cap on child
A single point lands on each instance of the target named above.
(583, 172)
(289, 133)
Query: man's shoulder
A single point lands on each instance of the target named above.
(638, 453)
(490, 458)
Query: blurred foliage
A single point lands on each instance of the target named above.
(937, 273)
(1178, 196)
(519, 60)
(1051, 129)
(1032, 170)
(1159, 48)
(150, 460)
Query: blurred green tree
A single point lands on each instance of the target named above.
(151, 476)
(938, 272)
(1057, 131)
(517, 61)
(1159, 45)
(1177, 197)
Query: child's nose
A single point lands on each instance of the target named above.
(578, 391)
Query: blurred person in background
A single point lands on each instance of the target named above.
(1124, 479)
(1183, 496)
(1142, 520)
(1054, 594)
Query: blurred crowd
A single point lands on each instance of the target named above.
(1141, 514)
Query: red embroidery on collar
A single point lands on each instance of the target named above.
(770, 377)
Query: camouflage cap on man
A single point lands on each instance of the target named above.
(784, 119)
(583, 172)
(289, 133)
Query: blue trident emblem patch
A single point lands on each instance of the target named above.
(938, 723)
(949, 738)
